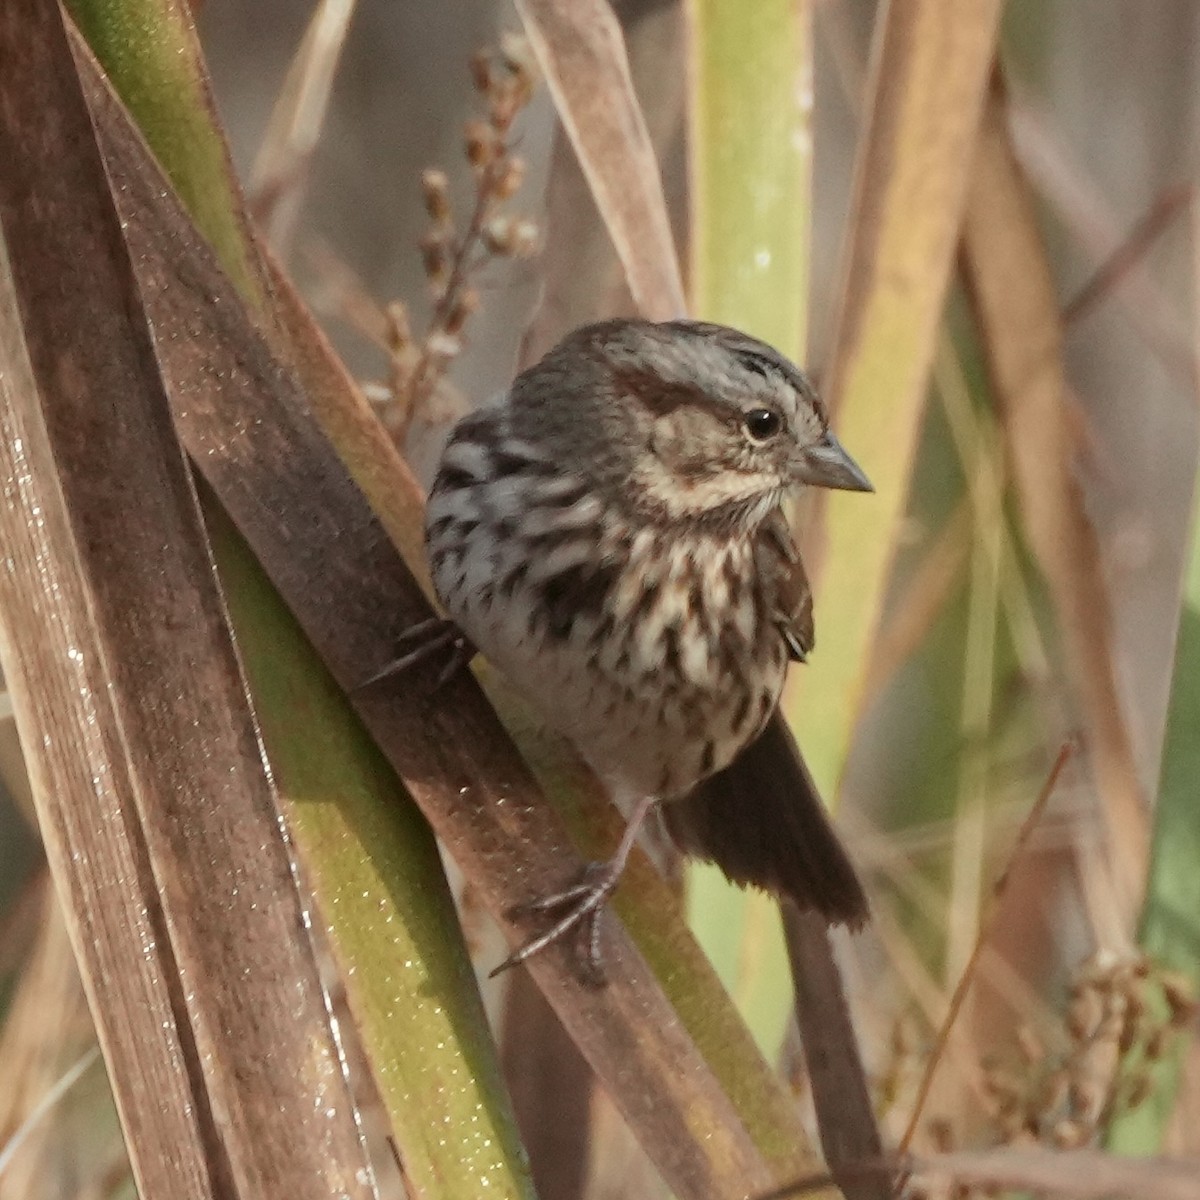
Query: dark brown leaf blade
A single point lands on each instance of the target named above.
(161, 822)
(248, 428)
(551, 1086)
(845, 1117)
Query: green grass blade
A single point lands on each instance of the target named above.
(146, 49)
(1170, 930)
(751, 147)
(751, 168)
(374, 866)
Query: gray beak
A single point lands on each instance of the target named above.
(826, 464)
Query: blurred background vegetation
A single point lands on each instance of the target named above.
(934, 731)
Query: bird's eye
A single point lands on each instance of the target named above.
(762, 424)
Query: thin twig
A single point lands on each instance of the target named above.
(1086, 217)
(67, 1081)
(455, 283)
(280, 173)
(506, 81)
(1167, 205)
(985, 932)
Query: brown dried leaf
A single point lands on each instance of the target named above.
(845, 1116)
(581, 278)
(580, 50)
(160, 821)
(297, 119)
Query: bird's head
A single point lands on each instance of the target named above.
(684, 421)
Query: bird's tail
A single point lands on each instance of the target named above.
(762, 822)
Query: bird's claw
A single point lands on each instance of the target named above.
(422, 642)
(584, 903)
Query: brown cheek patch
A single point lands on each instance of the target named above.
(695, 451)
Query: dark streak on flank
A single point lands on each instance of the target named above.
(550, 539)
(513, 579)
(439, 527)
(604, 629)
(454, 479)
(580, 590)
(506, 461)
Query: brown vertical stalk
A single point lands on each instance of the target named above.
(1014, 297)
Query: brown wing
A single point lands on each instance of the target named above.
(785, 585)
(762, 822)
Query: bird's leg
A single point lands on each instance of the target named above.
(583, 901)
(423, 641)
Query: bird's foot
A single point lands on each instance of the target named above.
(581, 906)
(423, 641)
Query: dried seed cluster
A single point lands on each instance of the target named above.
(454, 255)
(1123, 1018)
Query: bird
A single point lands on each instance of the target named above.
(610, 534)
